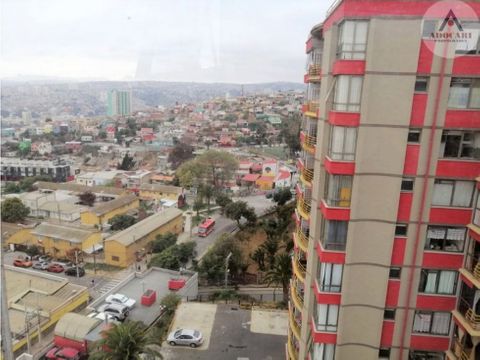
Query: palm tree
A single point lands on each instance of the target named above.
(270, 247)
(280, 273)
(125, 342)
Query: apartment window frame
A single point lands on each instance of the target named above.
(329, 322)
(389, 314)
(444, 241)
(333, 239)
(384, 353)
(414, 136)
(325, 351)
(395, 272)
(353, 101)
(345, 139)
(461, 142)
(357, 48)
(476, 210)
(338, 190)
(407, 184)
(453, 201)
(468, 25)
(421, 84)
(401, 229)
(436, 287)
(463, 100)
(330, 277)
(115, 258)
(425, 355)
(429, 325)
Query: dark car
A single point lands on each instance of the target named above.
(56, 268)
(73, 271)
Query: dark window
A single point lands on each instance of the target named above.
(414, 136)
(459, 144)
(115, 258)
(389, 314)
(421, 84)
(407, 184)
(426, 355)
(384, 353)
(445, 238)
(401, 229)
(394, 273)
(335, 234)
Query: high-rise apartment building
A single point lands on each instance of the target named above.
(390, 152)
(119, 103)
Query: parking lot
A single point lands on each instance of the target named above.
(230, 333)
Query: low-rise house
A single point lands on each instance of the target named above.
(101, 213)
(123, 248)
(97, 178)
(159, 192)
(133, 180)
(17, 235)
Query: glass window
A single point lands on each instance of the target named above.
(460, 144)
(453, 193)
(334, 234)
(472, 44)
(394, 273)
(437, 323)
(389, 314)
(348, 90)
(323, 351)
(414, 135)
(401, 229)
(445, 238)
(384, 354)
(326, 317)
(425, 355)
(464, 93)
(343, 141)
(339, 190)
(407, 184)
(437, 281)
(476, 215)
(330, 277)
(352, 40)
(421, 84)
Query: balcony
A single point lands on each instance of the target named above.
(304, 206)
(459, 351)
(296, 295)
(306, 176)
(311, 108)
(466, 317)
(292, 351)
(471, 271)
(295, 324)
(298, 268)
(301, 238)
(309, 143)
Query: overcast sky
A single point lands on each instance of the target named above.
(240, 41)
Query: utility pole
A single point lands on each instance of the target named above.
(94, 260)
(5, 322)
(76, 263)
(227, 260)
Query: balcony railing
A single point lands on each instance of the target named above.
(302, 238)
(473, 265)
(313, 106)
(294, 324)
(306, 176)
(297, 295)
(309, 143)
(304, 206)
(314, 69)
(298, 268)
(465, 308)
(292, 351)
(461, 351)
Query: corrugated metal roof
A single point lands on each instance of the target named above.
(79, 188)
(169, 189)
(108, 206)
(145, 227)
(62, 232)
(75, 326)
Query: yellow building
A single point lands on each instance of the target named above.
(265, 182)
(100, 214)
(122, 248)
(19, 235)
(158, 192)
(56, 239)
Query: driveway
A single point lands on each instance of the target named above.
(234, 333)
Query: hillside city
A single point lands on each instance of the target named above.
(333, 218)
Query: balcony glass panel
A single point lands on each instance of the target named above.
(352, 40)
(339, 190)
(343, 141)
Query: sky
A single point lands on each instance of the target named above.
(239, 41)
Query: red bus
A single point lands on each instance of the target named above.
(206, 227)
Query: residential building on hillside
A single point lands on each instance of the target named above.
(386, 189)
(119, 103)
(17, 168)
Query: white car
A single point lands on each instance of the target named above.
(192, 338)
(121, 300)
(102, 316)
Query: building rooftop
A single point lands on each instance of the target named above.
(79, 188)
(162, 188)
(144, 227)
(62, 232)
(108, 206)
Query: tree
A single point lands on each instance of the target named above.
(270, 248)
(125, 341)
(180, 153)
(174, 257)
(170, 303)
(163, 241)
(207, 191)
(281, 273)
(222, 200)
(102, 134)
(198, 205)
(259, 257)
(238, 210)
(13, 210)
(26, 184)
(127, 163)
(282, 196)
(11, 188)
(87, 198)
(189, 173)
(120, 222)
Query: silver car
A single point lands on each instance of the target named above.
(192, 338)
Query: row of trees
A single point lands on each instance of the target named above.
(169, 254)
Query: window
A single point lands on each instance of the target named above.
(445, 238)
(460, 144)
(425, 355)
(464, 94)
(352, 40)
(421, 84)
(115, 258)
(384, 354)
(326, 316)
(339, 190)
(323, 351)
(330, 277)
(401, 229)
(437, 281)
(476, 214)
(394, 273)
(472, 45)
(389, 314)
(343, 141)
(437, 323)
(414, 136)
(453, 193)
(334, 234)
(429, 27)
(407, 184)
(348, 90)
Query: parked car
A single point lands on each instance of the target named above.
(57, 353)
(65, 264)
(44, 258)
(22, 263)
(73, 271)
(117, 311)
(42, 265)
(56, 268)
(103, 316)
(121, 299)
(192, 338)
